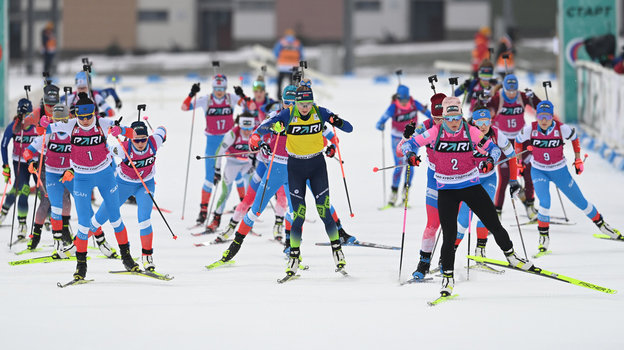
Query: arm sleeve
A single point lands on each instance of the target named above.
(6, 139)
(228, 140)
(109, 92)
(524, 134)
(387, 114)
(492, 149)
(235, 99)
(417, 141)
(187, 105)
(117, 150)
(326, 113)
(65, 127)
(265, 127)
(103, 106)
(568, 132)
(35, 146)
(506, 147)
(328, 134)
(160, 136)
(422, 109)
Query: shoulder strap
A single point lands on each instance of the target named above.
(438, 137)
(466, 127)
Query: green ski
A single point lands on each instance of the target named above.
(603, 236)
(219, 263)
(541, 272)
(151, 274)
(27, 250)
(541, 254)
(442, 299)
(42, 259)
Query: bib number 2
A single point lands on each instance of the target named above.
(454, 163)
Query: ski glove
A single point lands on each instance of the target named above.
(68, 175)
(487, 165)
(380, 125)
(45, 121)
(118, 104)
(578, 166)
(330, 151)
(254, 142)
(6, 172)
(265, 148)
(335, 120)
(194, 90)
(520, 168)
(409, 130)
(514, 187)
(239, 92)
(115, 130)
(413, 159)
(217, 175)
(32, 166)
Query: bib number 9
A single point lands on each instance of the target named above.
(546, 156)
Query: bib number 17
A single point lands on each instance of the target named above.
(221, 124)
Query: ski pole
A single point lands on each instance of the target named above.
(266, 182)
(513, 203)
(148, 123)
(39, 183)
(468, 248)
(225, 155)
(376, 169)
(404, 221)
(188, 163)
(528, 149)
(344, 179)
(6, 186)
(561, 200)
(435, 244)
(383, 163)
(17, 175)
(145, 186)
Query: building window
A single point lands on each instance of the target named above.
(153, 16)
(368, 5)
(258, 5)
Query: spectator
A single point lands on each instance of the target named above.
(48, 43)
(288, 52)
(481, 49)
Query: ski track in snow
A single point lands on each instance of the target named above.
(242, 307)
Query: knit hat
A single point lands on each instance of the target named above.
(289, 94)
(403, 92)
(436, 104)
(486, 69)
(51, 95)
(510, 83)
(84, 106)
(24, 106)
(81, 79)
(544, 107)
(139, 127)
(304, 95)
(219, 81)
(451, 105)
(60, 112)
(246, 121)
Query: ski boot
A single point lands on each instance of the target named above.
(148, 260)
(480, 249)
(62, 250)
(3, 214)
(393, 196)
(517, 262)
(339, 258)
(232, 250)
(47, 224)
(81, 266)
(223, 236)
(35, 237)
(105, 248)
(67, 230)
(608, 230)
(293, 262)
(22, 229)
(203, 213)
(126, 258)
(214, 225)
(287, 244)
(346, 238)
(277, 228)
(530, 208)
(423, 266)
(544, 239)
(448, 282)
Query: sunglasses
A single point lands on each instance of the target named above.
(222, 89)
(450, 118)
(258, 86)
(482, 122)
(85, 116)
(142, 140)
(544, 116)
(288, 103)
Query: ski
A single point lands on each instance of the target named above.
(541, 272)
(42, 259)
(541, 254)
(387, 206)
(288, 278)
(340, 270)
(28, 250)
(219, 263)
(485, 268)
(207, 243)
(151, 274)
(552, 222)
(442, 299)
(19, 240)
(417, 280)
(603, 236)
(72, 283)
(363, 244)
(201, 233)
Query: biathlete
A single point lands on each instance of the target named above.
(507, 108)
(218, 109)
(22, 136)
(457, 178)
(482, 119)
(93, 166)
(547, 136)
(142, 150)
(403, 110)
(479, 90)
(235, 141)
(304, 143)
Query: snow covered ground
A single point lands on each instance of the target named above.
(242, 306)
